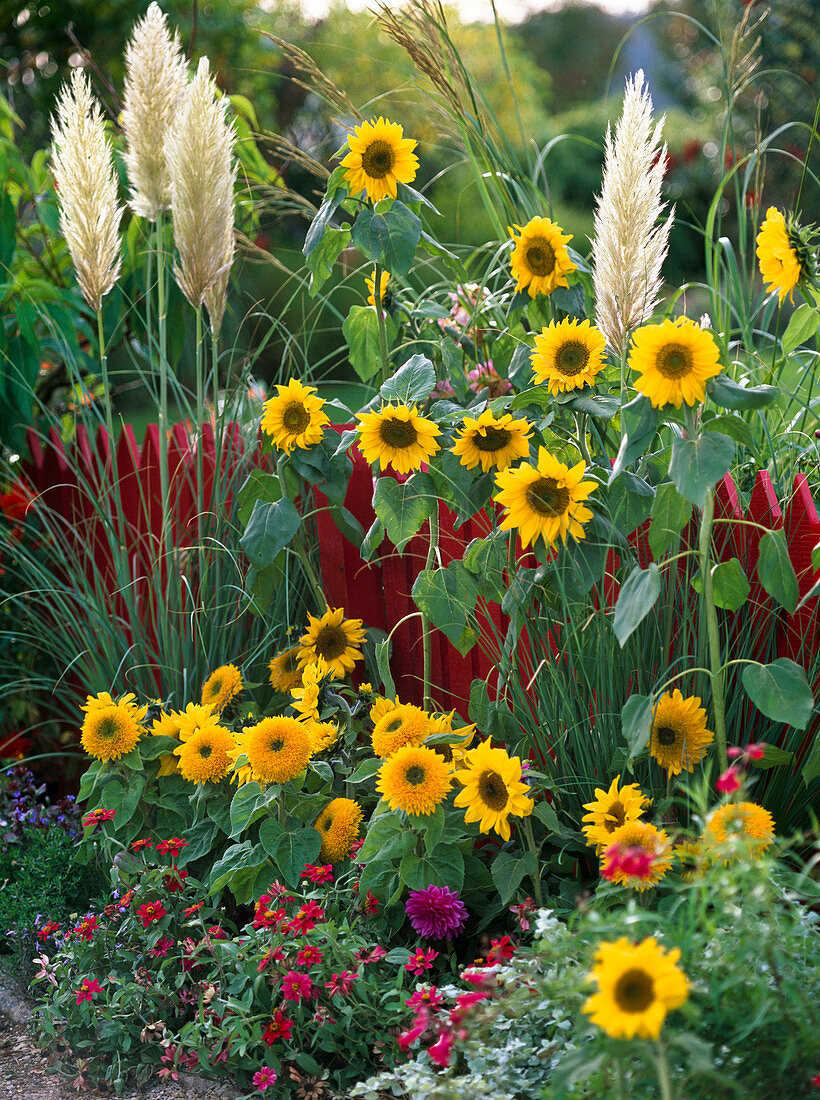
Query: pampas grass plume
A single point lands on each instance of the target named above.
(630, 243)
(87, 189)
(199, 153)
(156, 78)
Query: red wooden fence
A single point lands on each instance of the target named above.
(377, 592)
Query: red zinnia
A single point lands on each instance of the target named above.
(318, 873)
(501, 950)
(308, 956)
(279, 1028)
(189, 912)
(89, 987)
(296, 987)
(151, 912)
(48, 930)
(144, 842)
(96, 816)
(86, 928)
(341, 983)
(172, 847)
(422, 960)
(173, 882)
(306, 918)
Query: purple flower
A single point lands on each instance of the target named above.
(436, 912)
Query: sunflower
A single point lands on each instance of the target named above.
(544, 500)
(221, 686)
(746, 822)
(414, 779)
(679, 736)
(338, 825)
(492, 789)
(305, 698)
(381, 706)
(194, 717)
(492, 441)
(692, 857)
(611, 809)
(380, 156)
(284, 669)
(294, 418)
(654, 841)
(277, 749)
(637, 985)
(403, 725)
(778, 258)
(332, 639)
(540, 260)
(674, 359)
(109, 732)
(323, 735)
(206, 754)
(568, 355)
(370, 284)
(103, 699)
(397, 436)
(166, 726)
(454, 750)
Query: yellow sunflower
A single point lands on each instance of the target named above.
(540, 260)
(414, 779)
(454, 750)
(221, 686)
(294, 418)
(403, 725)
(779, 260)
(338, 825)
(334, 639)
(568, 355)
(654, 841)
(166, 726)
(109, 732)
(679, 736)
(692, 858)
(323, 735)
(305, 698)
(674, 359)
(379, 157)
(492, 789)
(544, 500)
(206, 754)
(749, 825)
(370, 284)
(398, 436)
(381, 706)
(277, 749)
(103, 699)
(493, 441)
(193, 718)
(637, 985)
(284, 669)
(611, 809)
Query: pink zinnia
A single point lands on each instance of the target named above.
(306, 919)
(420, 961)
(441, 1050)
(436, 912)
(296, 987)
(729, 781)
(341, 983)
(631, 860)
(89, 987)
(86, 928)
(308, 956)
(161, 948)
(318, 873)
(425, 998)
(264, 1078)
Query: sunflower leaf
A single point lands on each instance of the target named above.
(781, 691)
(323, 256)
(636, 723)
(729, 584)
(412, 382)
(637, 598)
(388, 237)
(802, 326)
(448, 598)
(361, 331)
(247, 805)
(404, 506)
(730, 395)
(697, 465)
(776, 572)
(271, 527)
(507, 871)
(639, 422)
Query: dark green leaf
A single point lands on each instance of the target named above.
(448, 598)
(698, 464)
(729, 584)
(248, 804)
(776, 572)
(486, 559)
(389, 238)
(271, 527)
(322, 258)
(637, 598)
(361, 331)
(373, 539)
(599, 406)
(507, 870)
(258, 485)
(412, 383)
(730, 395)
(404, 506)
(781, 691)
(316, 230)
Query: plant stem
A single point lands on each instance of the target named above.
(163, 370)
(664, 1078)
(107, 404)
(717, 672)
(377, 298)
(535, 875)
(426, 629)
(307, 565)
(200, 415)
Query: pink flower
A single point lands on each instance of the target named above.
(95, 817)
(501, 950)
(264, 1078)
(485, 376)
(264, 917)
(371, 903)
(436, 912)
(86, 928)
(296, 987)
(279, 1028)
(306, 919)
(144, 842)
(151, 912)
(521, 913)
(89, 987)
(464, 1002)
(441, 1051)
(161, 948)
(729, 781)
(429, 997)
(172, 847)
(756, 750)
(419, 962)
(318, 873)
(217, 932)
(341, 983)
(370, 956)
(417, 1030)
(631, 860)
(308, 956)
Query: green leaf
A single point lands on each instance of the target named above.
(536, 395)
(380, 830)
(296, 848)
(8, 239)
(730, 585)
(389, 238)
(235, 858)
(321, 259)
(448, 597)
(382, 650)
(258, 485)
(200, 841)
(152, 747)
(316, 230)
(270, 834)
(802, 326)
(636, 723)
(444, 867)
(434, 823)
(347, 524)
(361, 331)
(271, 527)
(735, 427)
(597, 405)
(774, 757)
(459, 488)
(486, 559)
(412, 383)
(776, 572)
(404, 506)
(639, 422)
(373, 539)
(507, 871)
(723, 391)
(248, 804)
(670, 514)
(637, 598)
(781, 691)
(698, 464)
(366, 770)
(811, 768)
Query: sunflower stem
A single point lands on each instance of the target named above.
(377, 298)
(535, 875)
(717, 672)
(664, 1077)
(426, 628)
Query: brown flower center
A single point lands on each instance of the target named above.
(331, 642)
(674, 361)
(617, 811)
(540, 256)
(547, 497)
(325, 825)
(295, 418)
(571, 358)
(277, 744)
(493, 790)
(492, 439)
(205, 751)
(634, 991)
(398, 434)
(107, 729)
(378, 159)
(666, 736)
(415, 775)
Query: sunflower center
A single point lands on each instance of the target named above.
(378, 159)
(415, 775)
(393, 725)
(540, 256)
(493, 439)
(674, 361)
(493, 790)
(571, 358)
(398, 433)
(325, 826)
(634, 991)
(547, 497)
(617, 811)
(295, 417)
(277, 744)
(215, 689)
(107, 729)
(205, 751)
(666, 736)
(331, 642)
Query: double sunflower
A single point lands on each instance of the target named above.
(414, 779)
(277, 749)
(111, 729)
(224, 684)
(206, 754)
(544, 500)
(338, 825)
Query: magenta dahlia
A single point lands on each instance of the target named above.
(436, 912)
